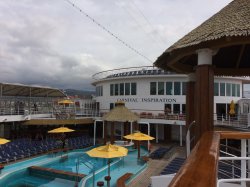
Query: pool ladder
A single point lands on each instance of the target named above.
(84, 160)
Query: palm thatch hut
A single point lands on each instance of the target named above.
(219, 46)
(119, 113)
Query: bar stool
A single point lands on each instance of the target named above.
(100, 183)
(107, 178)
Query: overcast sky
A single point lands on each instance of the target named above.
(50, 43)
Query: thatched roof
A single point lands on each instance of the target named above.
(228, 30)
(120, 114)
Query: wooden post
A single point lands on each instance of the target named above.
(112, 132)
(105, 132)
(204, 96)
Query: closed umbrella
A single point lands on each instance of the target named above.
(138, 136)
(3, 141)
(232, 108)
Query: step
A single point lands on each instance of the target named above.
(42, 171)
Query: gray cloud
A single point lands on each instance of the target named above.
(50, 43)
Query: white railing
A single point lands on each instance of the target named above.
(243, 168)
(130, 71)
(238, 121)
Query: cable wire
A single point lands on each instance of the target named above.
(146, 19)
(108, 31)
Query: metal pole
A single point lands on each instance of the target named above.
(94, 132)
(131, 127)
(180, 135)
(148, 133)
(243, 162)
(102, 129)
(188, 142)
(157, 133)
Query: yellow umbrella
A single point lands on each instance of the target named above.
(61, 130)
(3, 141)
(65, 101)
(108, 151)
(139, 137)
(232, 108)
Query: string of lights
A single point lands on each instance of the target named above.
(108, 31)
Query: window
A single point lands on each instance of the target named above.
(133, 88)
(184, 88)
(168, 109)
(169, 88)
(116, 89)
(160, 88)
(177, 88)
(111, 89)
(121, 88)
(111, 106)
(99, 91)
(152, 88)
(222, 89)
(176, 108)
(216, 89)
(183, 108)
(234, 90)
(127, 88)
(228, 89)
(238, 90)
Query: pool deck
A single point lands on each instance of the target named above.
(155, 166)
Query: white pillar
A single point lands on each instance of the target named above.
(157, 133)
(205, 56)
(180, 135)
(94, 132)
(243, 162)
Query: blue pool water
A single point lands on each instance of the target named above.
(17, 175)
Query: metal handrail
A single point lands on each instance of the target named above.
(188, 139)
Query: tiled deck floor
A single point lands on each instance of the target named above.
(156, 166)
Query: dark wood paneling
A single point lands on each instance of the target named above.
(204, 99)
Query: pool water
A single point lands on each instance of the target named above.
(70, 163)
(18, 174)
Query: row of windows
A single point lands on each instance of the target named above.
(167, 88)
(123, 89)
(99, 91)
(175, 108)
(226, 89)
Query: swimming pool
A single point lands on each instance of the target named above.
(18, 174)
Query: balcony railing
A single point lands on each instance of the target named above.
(202, 165)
